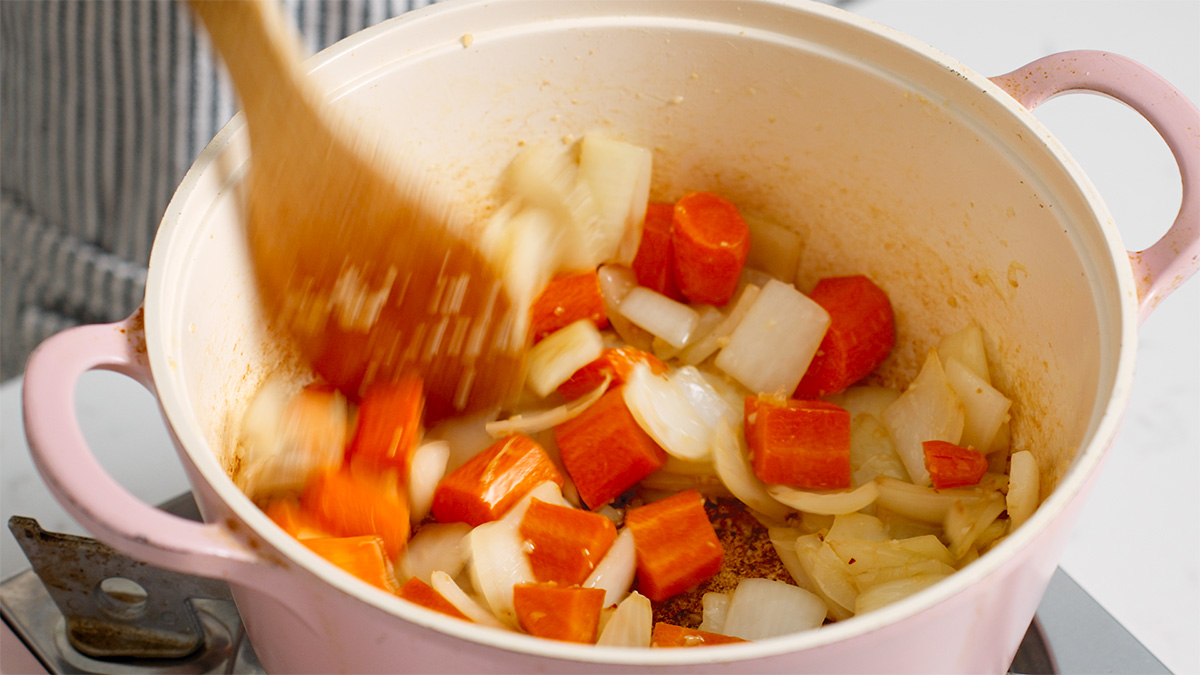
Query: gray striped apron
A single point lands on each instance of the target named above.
(104, 104)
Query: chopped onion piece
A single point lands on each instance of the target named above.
(630, 625)
(614, 573)
(708, 402)
(425, 472)
(532, 423)
(867, 579)
(731, 458)
(928, 410)
(985, 409)
(893, 591)
(665, 318)
(707, 345)
(1023, 487)
(772, 346)
(716, 607)
(664, 412)
(436, 546)
(861, 555)
(556, 358)
(498, 562)
(543, 178)
(618, 176)
(921, 503)
(524, 244)
(826, 502)
(872, 452)
(831, 576)
(289, 436)
(783, 540)
(901, 527)
(466, 435)
(966, 346)
(444, 584)
(617, 516)
(774, 248)
(710, 318)
(764, 608)
(865, 400)
(856, 526)
(990, 535)
(615, 283)
(965, 521)
(669, 483)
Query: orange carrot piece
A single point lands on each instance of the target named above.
(861, 333)
(565, 544)
(803, 444)
(951, 465)
(676, 545)
(654, 264)
(569, 613)
(605, 451)
(565, 300)
(491, 482)
(420, 593)
(711, 242)
(670, 635)
(617, 362)
(364, 557)
(354, 500)
(287, 513)
(389, 424)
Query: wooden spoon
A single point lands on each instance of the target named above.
(354, 252)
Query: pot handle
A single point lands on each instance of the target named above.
(1161, 268)
(97, 501)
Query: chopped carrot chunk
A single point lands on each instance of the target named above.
(676, 545)
(491, 482)
(362, 556)
(565, 300)
(861, 333)
(287, 513)
(605, 451)
(389, 424)
(711, 242)
(420, 593)
(565, 544)
(617, 363)
(570, 613)
(670, 635)
(802, 444)
(951, 465)
(354, 500)
(654, 264)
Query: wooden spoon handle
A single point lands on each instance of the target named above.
(261, 52)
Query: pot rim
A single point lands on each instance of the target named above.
(1106, 415)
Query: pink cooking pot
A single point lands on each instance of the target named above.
(888, 157)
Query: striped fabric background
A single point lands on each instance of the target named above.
(104, 104)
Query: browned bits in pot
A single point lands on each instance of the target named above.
(748, 553)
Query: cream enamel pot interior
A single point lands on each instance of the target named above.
(890, 159)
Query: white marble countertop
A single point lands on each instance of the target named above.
(1136, 548)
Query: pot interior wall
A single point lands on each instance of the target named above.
(887, 163)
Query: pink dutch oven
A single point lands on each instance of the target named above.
(890, 159)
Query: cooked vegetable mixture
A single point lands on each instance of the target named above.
(695, 459)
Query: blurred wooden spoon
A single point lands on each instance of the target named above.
(355, 253)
